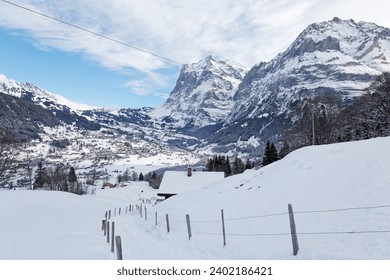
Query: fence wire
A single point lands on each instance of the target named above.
(281, 214)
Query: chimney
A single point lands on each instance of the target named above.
(189, 171)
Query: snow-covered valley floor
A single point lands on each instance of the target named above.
(340, 194)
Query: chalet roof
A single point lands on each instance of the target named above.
(175, 182)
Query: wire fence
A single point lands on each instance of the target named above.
(188, 225)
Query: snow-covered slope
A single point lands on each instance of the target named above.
(339, 193)
(337, 56)
(203, 94)
(31, 92)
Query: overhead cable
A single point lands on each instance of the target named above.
(90, 32)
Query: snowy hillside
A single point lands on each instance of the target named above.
(339, 193)
(335, 190)
(39, 96)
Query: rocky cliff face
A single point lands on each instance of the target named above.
(203, 94)
(338, 56)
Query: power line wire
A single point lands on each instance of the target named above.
(91, 32)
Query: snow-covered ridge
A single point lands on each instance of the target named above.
(363, 41)
(333, 56)
(39, 95)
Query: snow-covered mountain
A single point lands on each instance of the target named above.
(203, 94)
(33, 108)
(337, 56)
(221, 107)
(39, 96)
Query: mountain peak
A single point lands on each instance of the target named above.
(203, 93)
(336, 56)
(31, 92)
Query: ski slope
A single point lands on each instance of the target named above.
(340, 195)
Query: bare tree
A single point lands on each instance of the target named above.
(318, 121)
(373, 108)
(8, 156)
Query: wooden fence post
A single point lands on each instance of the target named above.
(118, 248)
(155, 214)
(108, 232)
(104, 227)
(167, 219)
(112, 236)
(120, 208)
(140, 210)
(146, 214)
(294, 237)
(109, 214)
(223, 228)
(115, 212)
(188, 226)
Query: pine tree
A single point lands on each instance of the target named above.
(72, 177)
(274, 153)
(227, 168)
(154, 180)
(248, 164)
(238, 166)
(141, 177)
(126, 175)
(270, 153)
(40, 176)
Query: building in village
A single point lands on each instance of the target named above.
(177, 182)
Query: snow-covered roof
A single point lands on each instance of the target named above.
(175, 182)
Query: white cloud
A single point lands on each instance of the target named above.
(246, 31)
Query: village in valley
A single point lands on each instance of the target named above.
(99, 159)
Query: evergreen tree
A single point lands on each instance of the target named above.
(141, 177)
(270, 153)
(227, 168)
(238, 166)
(248, 164)
(154, 180)
(40, 176)
(72, 177)
(126, 175)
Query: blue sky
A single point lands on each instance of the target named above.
(99, 72)
(73, 75)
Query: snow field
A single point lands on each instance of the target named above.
(339, 193)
